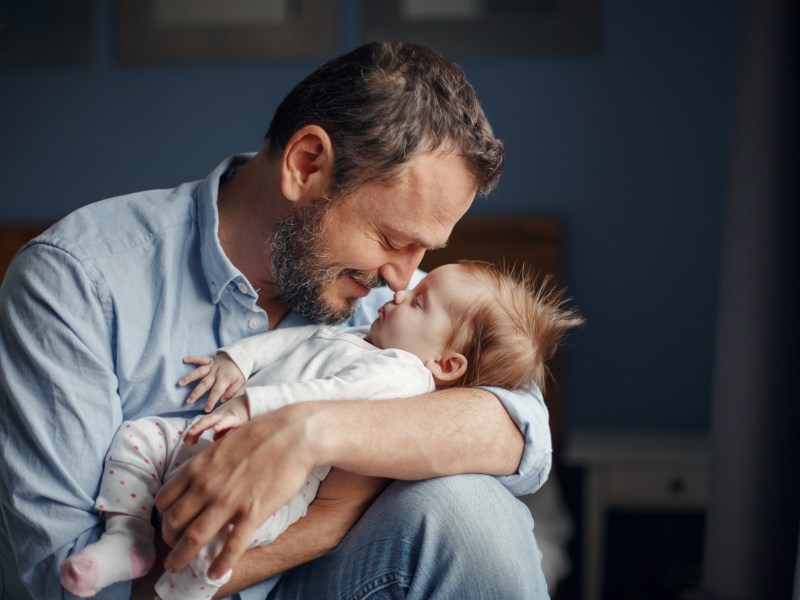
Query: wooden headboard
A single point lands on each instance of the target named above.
(535, 241)
(12, 238)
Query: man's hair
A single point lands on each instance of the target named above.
(382, 104)
(511, 333)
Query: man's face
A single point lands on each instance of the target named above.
(328, 255)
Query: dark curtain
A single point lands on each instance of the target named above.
(754, 511)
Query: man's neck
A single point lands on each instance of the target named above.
(249, 204)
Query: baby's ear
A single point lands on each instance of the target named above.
(448, 368)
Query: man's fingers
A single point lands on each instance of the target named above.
(194, 537)
(236, 542)
(167, 503)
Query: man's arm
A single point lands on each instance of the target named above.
(253, 471)
(59, 409)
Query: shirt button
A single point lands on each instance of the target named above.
(213, 288)
(254, 323)
(242, 287)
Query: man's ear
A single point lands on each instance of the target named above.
(448, 368)
(307, 164)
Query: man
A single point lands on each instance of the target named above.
(368, 163)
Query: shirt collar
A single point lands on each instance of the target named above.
(218, 269)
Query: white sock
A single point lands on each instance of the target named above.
(124, 552)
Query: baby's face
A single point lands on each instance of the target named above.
(421, 320)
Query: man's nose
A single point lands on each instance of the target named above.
(400, 295)
(398, 273)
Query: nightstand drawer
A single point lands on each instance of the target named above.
(662, 488)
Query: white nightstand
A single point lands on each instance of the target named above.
(632, 469)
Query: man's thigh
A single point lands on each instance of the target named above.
(463, 536)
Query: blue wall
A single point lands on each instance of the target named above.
(628, 145)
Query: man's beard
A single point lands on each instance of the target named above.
(301, 264)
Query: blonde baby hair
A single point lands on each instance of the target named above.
(509, 335)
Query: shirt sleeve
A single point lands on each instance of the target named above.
(378, 375)
(59, 409)
(529, 412)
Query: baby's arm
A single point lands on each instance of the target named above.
(377, 375)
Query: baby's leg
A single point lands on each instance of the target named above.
(132, 476)
(124, 552)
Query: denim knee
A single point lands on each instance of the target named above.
(471, 525)
(463, 536)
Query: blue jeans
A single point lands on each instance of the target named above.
(450, 538)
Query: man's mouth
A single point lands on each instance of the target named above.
(368, 281)
(363, 290)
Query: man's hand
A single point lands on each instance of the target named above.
(237, 482)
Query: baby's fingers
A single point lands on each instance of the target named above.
(198, 360)
(196, 430)
(201, 388)
(198, 373)
(219, 388)
(227, 422)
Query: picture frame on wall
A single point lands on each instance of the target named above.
(209, 30)
(486, 27)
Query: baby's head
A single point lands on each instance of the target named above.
(474, 323)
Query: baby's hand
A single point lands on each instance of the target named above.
(226, 417)
(216, 373)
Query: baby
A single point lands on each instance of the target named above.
(465, 324)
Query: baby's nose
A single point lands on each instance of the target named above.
(399, 295)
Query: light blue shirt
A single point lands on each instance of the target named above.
(95, 316)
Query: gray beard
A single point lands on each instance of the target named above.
(302, 268)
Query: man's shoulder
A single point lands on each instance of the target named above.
(120, 224)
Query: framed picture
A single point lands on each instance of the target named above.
(45, 32)
(486, 27)
(210, 30)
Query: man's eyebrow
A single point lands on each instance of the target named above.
(423, 244)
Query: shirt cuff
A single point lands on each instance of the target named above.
(528, 411)
(257, 592)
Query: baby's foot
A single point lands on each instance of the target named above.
(124, 552)
(80, 574)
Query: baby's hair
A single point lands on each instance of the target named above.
(511, 333)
